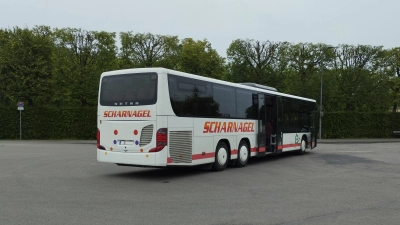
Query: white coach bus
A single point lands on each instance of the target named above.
(156, 117)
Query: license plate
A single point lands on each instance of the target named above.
(126, 142)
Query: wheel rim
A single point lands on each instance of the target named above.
(303, 146)
(243, 154)
(222, 156)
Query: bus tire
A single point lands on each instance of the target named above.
(243, 154)
(303, 146)
(221, 157)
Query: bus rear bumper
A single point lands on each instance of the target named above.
(137, 159)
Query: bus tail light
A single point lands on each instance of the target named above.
(98, 140)
(161, 140)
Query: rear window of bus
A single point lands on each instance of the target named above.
(129, 89)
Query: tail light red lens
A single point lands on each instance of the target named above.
(161, 140)
(98, 140)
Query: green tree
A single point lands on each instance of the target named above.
(304, 59)
(80, 58)
(253, 61)
(198, 57)
(148, 50)
(26, 65)
(360, 83)
(391, 60)
(306, 63)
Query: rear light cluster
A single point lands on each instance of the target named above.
(161, 140)
(98, 140)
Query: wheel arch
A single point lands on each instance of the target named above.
(304, 137)
(228, 144)
(245, 139)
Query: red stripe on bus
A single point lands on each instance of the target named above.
(205, 156)
(234, 151)
(288, 146)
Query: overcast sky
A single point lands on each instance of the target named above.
(367, 22)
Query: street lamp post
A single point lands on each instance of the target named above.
(320, 100)
(320, 103)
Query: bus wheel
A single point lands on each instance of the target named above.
(243, 154)
(303, 146)
(221, 157)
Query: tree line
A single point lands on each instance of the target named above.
(61, 67)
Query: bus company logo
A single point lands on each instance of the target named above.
(228, 127)
(127, 113)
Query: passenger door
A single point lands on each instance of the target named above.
(267, 122)
(279, 123)
(259, 102)
(271, 122)
(314, 126)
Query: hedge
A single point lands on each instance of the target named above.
(80, 123)
(359, 125)
(49, 123)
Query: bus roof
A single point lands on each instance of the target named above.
(162, 70)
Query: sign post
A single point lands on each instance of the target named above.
(20, 108)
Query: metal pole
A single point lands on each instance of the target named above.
(320, 106)
(20, 125)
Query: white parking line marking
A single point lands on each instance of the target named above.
(354, 151)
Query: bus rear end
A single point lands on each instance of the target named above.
(127, 123)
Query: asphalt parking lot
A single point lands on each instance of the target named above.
(340, 182)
